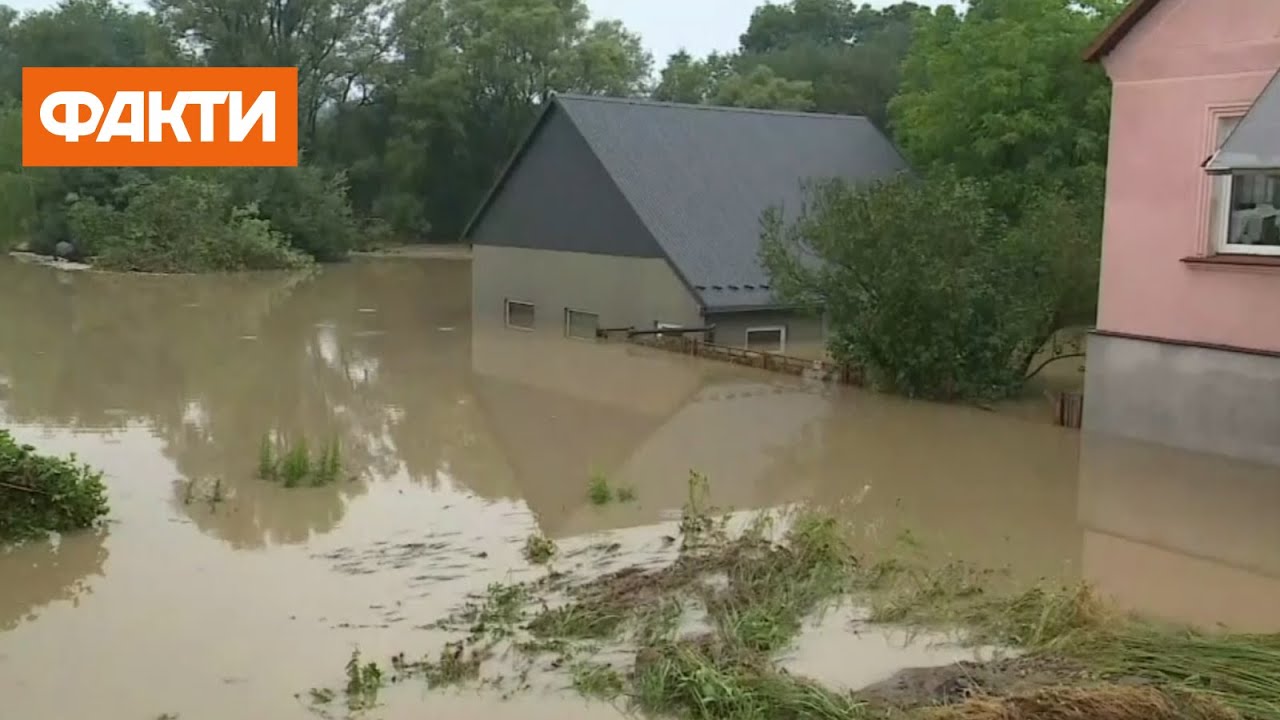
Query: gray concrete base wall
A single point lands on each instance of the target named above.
(1201, 399)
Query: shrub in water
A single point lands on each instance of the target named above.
(40, 494)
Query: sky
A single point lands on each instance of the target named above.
(699, 26)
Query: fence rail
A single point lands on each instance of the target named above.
(1067, 407)
(752, 358)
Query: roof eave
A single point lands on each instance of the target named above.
(748, 307)
(1118, 29)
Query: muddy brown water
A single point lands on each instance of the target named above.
(469, 438)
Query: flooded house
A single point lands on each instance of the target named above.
(1178, 478)
(618, 213)
(1185, 353)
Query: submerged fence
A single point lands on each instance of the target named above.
(1066, 407)
(687, 342)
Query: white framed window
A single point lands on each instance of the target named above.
(519, 314)
(659, 325)
(1244, 207)
(772, 339)
(580, 324)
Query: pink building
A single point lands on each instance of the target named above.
(1187, 350)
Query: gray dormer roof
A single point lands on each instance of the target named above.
(1254, 144)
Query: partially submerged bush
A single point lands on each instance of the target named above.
(927, 289)
(179, 224)
(40, 494)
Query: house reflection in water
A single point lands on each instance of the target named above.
(560, 410)
(1184, 536)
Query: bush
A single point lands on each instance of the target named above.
(927, 290)
(178, 224)
(40, 495)
(305, 204)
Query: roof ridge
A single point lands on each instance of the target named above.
(710, 108)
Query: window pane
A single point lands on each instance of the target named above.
(1255, 210)
(520, 315)
(581, 324)
(765, 339)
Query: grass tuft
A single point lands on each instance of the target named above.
(598, 490)
(597, 680)
(538, 550)
(699, 678)
(295, 467)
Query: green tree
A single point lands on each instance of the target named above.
(468, 79)
(687, 79)
(322, 38)
(80, 33)
(762, 88)
(849, 57)
(1000, 93)
(17, 189)
(927, 289)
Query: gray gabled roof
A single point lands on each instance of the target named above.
(1254, 144)
(700, 177)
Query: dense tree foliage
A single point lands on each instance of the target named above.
(408, 108)
(1000, 93)
(928, 289)
(822, 55)
(946, 283)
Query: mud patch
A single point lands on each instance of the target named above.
(961, 681)
(1102, 702)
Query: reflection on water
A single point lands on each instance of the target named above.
(1182, 535)
(467, 438)
(40, 573)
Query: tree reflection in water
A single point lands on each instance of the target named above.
(39, 573)
(212, 363)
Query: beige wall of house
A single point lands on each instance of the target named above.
(619, 291)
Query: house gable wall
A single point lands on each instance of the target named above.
(1185, 65)
(621, 291)
(558, 196)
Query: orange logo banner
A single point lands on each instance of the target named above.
(160, 117)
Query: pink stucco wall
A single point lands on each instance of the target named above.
(1184, 65)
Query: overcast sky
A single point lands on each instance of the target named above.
(698, 26)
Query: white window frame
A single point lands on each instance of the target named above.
(1222, 190)
(571, 336)
(782, 337)
(506, 314)
(659, 325)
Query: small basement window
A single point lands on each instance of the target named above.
(519, 314)
(665, 326)
(767, 339)
(579, 324)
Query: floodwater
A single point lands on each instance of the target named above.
(212, 594)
